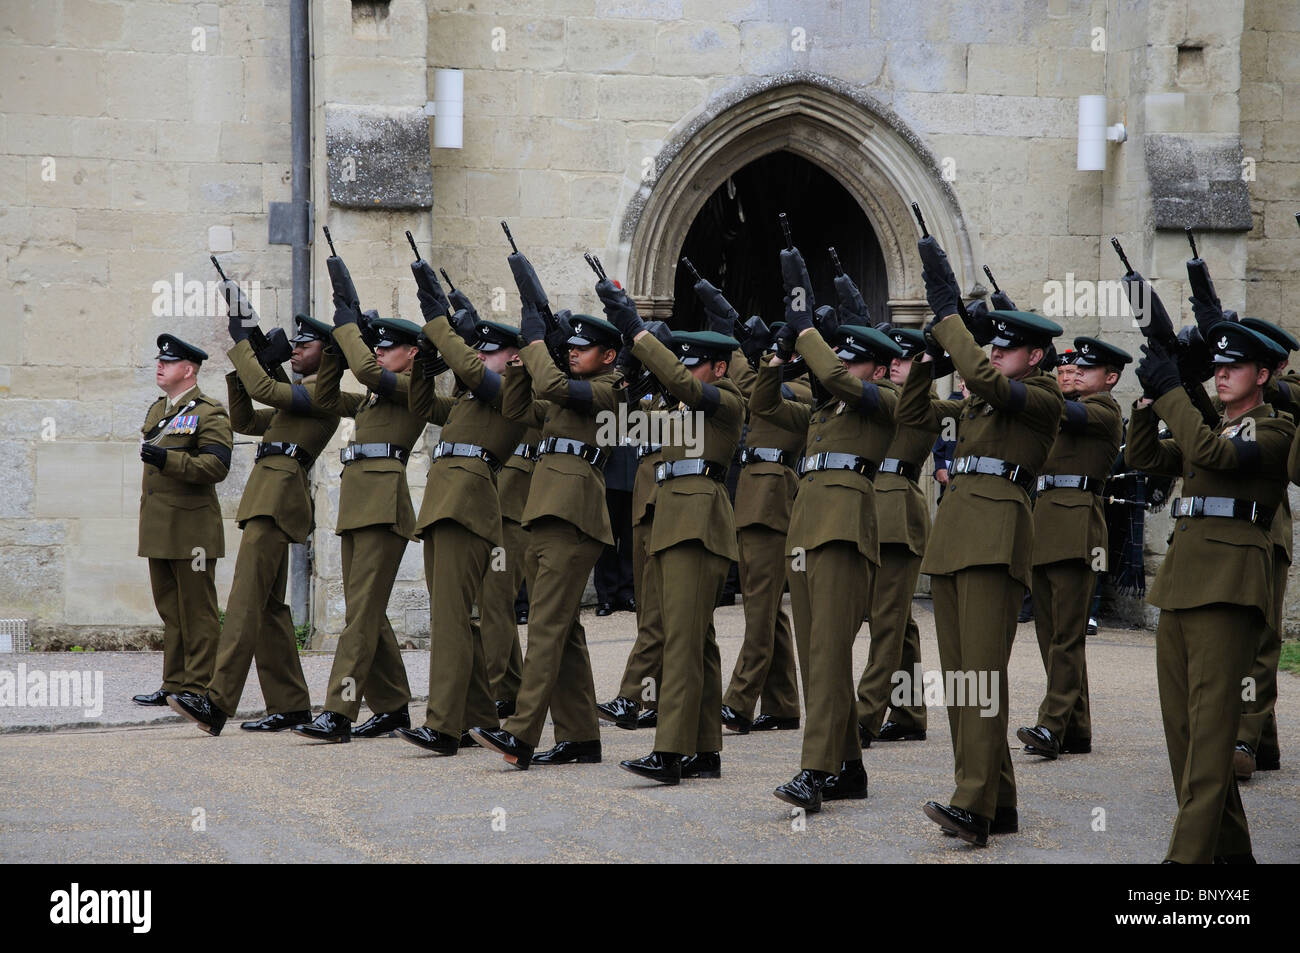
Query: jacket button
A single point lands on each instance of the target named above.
(810, 479)
(1190, 474)
(149, 493)
(1183, 526)
(818, 437)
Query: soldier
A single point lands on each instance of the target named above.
(460, 519)
(615, 589)
(568, 524)
(275, 510)
(1257, 747)
(978, 556)
(1069, 538)
(693, 541)
(186, 452)
(1214, 588)
(375, 521)
(902, 525)
(765, 666)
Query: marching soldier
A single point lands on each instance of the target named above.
(568, 524)
(1214, 589)
(186, 452)
(275, 510)
(978, 556)
(765, 666)
(375, 521)
(693, 541)
(832, 546)
(1069, 536)
(902, 525)
(460, 519)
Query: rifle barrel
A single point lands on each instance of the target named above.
(1191, 240)
(835, 260)
(443, 272)
(510, 238)
(329, 240)
(217, 265)
(992, 280)
(920, 220)
(411, 239)
(1119, 250)
(785, 227)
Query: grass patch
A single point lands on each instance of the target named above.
(1290, 660)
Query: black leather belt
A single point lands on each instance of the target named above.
(277, 449)
(1068, 481)
(593, 455)
(1224, 506)
(645, 449)
(902, 467)
(671, 469)
(992, 466)
(766, 455)
(372, 451)
(473, 450)
(525, 450)
(837, 461)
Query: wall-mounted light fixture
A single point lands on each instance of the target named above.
(447, 108)
(1094, 133)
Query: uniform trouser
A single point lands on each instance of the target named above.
(459, 692)
(1258, 726)
(895, 641)
(260, 626)
(613, 576)
(1062, 600)
(765, 666)
(503, 656)
(828, 597)
(557, 668)
(975, 613)
(1202, 655)
(646, 660)
(367, 662)
(186, 599)
(690, 696)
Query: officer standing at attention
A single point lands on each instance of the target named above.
(979, 552)
(765, 665)
(275, 510)
(459, 520)
(1215, 588)
(693, 541)
(186, 452)
(1069, 537)
(902, 525)
(567, 524)
(375, 521)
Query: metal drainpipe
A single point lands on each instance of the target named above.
(300, 123)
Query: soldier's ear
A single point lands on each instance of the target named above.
(1035, 361)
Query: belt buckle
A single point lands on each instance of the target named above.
(661, 471)
(1254, 511)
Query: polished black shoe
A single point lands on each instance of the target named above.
(864, 737)
(969, 827)
(619, 711)
(467, 740)
(733, 720)
(893, 731)
(505, 744)
(1091, 628)
(430, 740)
(383, 724)
(662, 766)
(156, 699)
(281, 721)
(1005, 821)
(702, 764)
(1264, 762)
(604, 609)
(804, 790)
(625, 605)
(521, 617)
(1076, 745)
(849, 785)
(775, 723)
(1040, 741)
(200, 710)
(648, 718)
(328, 726)
(571, 752)
(1235, 859)
(1243, 761)
(726, 599)
(505, 708)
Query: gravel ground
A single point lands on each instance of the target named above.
(135, 784)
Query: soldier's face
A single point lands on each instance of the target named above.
(864, 370)
(899, 368)
(1092, 380)
(707, 372)
(1237, 382)
(305, 359)
(1014, 362)
(497, 360)
(397, 358)
(174, 375)
(1067, 375)
(590, 359)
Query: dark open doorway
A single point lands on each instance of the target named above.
(736, 236)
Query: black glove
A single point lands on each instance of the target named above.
(1001, 302)
(662, 332)
(1194, 365)
(978, 322)
(242, 316)
(1148, 309)
(433, 300)
(756, 340)
(463, 323)
(345, 311)
(797, 319)
(942, 293)
(1157, 371)
(783, 342)
(153, 455)
(531, 325)
(619, 309)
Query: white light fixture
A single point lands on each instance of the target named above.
(447, 108)
(1094, 133)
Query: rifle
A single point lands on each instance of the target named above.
(1205, 301)
(852, 307)
(716, 306)
(270, 351)
(1001, 301)
(530, 289)
(341, 282)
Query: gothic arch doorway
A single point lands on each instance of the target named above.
(851, 139)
